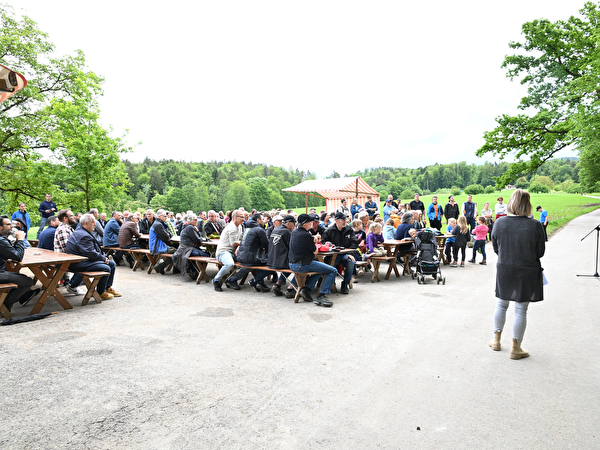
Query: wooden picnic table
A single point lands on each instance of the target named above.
(48, 267)
(392, 247)
(441, 241)
(324, 258)
(174, 239)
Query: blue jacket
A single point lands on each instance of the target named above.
(24, 217)
(111, 234)
(431, 213)
(354, 209)
(82, 243)
(159, 236)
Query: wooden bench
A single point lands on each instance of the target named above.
(91, 280)
(202, 263)
(138, 255)
(4, 290)
(377, 260)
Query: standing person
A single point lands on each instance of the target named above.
(24, 216)
(451, 210)
(344, 208)
(47, 208)
(371, 207)
(543, 220)
(461, 234)
(435, 213)
(469, 210)
(519, 242)
(302, 259)
(354, 208)
(449, 249)
(417, 204)
(488, 215)
(500, 208)
(480, 232)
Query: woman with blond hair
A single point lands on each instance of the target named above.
(518, 240)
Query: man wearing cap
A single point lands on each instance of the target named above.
(543, 219)
(302, 259)
(277, 220)
(342, 235)
(277, 257)
(316, 229)
(388, 210)
(225, 250)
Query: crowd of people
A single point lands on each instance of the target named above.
(276, 239)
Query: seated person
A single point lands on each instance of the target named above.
(277, 255)
(111, 235)
(82, 243)
(389, 230)
(46, 240)
(190, 243)
(342, 235)
(23, 292)
(375, 241)
(160, 241)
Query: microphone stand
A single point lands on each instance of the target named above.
(597, 228)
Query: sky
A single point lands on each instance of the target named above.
(319, 86)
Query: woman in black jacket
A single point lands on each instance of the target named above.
(519, 242)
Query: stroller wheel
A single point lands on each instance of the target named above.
(434, 276)
(423, 279)
(443, 280)
(438, 281)
(418, 279)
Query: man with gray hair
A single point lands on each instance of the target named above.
(160, 240)
(230, 238)
(212, 226)
(83, 243)
(98, 232)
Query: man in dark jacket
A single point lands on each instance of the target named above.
(279, 244)
(342, 235)
(417, 204)
(212, 226)
(302, 259)
(317, 229)
(22, 293)
(451, 210)
(83, 243)
(46, 240)
(253, 252)
(147, 222)
(47, 208)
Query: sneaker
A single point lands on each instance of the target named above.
(111, 290)
(160, 268)
(462, 264)
(344, 289)
(73, 290)
(454, 264)
(322, 300)
(277, 290)
(290, 293)
(232, 284)
(260, 287)
(361, 272)
(472, 261)
(305, 294)
(483, 263)
(106, 295)
(217, 286)
(25, 298)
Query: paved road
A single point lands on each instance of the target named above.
(173, 365)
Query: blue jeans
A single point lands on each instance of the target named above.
(226, 259)
(43, 222)
(348, 265)
(95, 266)
(479, 245)
(198, 252)
(316, 266)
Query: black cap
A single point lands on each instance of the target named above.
(256, 217)
(289, 218)
(340, 215)
(314, 217)
(304, 218)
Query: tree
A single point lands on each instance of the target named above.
(260, 195)
(559, 63)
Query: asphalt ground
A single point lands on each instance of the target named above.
(175, 365)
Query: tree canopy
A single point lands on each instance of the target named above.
(559, 64)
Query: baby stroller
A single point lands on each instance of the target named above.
(427, 258)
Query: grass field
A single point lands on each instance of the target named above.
(561, 207)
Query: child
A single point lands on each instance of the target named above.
(461, 236)
(389, 231)
(374, 240)
(360, 235)
(480, 232)
(450, 241)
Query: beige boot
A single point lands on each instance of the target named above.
(517, 352)
(495, 343)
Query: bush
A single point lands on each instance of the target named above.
(522, 183)
(407, 194)
(489, 189)
(454, 190)
(538, 188)
(474, 189)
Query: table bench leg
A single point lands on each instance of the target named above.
(91, 292)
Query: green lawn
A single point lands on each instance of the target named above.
(561, 207)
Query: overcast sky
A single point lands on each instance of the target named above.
(315, 85)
